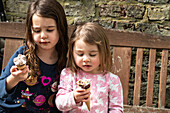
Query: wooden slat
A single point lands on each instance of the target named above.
(11, 45)
(163, 78)
(13, 30)
(116, 37)
(121, 66)
(151, 74)
(17, 30)
(138, 70)
(136, 39)
(139, 109)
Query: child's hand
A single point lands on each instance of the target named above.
(19, 75)
(16, 76)
(81, 95)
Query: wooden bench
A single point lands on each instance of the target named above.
(122, 42)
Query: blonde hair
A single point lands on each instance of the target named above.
(92, 34)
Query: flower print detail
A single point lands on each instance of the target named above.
(44, 78)
(39, 100)
(26, 94)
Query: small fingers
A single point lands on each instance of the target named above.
(25, 70)
(81, 95)
(13, 69)
(19, 74)
(86, 97)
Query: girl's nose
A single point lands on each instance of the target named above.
(43, 35)
(86, 59)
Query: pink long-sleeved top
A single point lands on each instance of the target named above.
(106, 93)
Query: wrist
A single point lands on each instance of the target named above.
(11, 82)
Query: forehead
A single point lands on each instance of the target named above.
(82, 45)
(42, 21)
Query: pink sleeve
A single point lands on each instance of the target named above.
(115, 95)
(64, 98)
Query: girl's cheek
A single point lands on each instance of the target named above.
(78, 61)
(35, 37)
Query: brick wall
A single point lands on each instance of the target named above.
(149, 16)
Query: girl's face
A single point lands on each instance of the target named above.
(44, 32)
(86, 56)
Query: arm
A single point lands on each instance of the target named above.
(15, 77)
(64, 98)
(6, 72)
(115, 95)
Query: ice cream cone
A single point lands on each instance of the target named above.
(85, 84)
(20, 61)
(88, 102)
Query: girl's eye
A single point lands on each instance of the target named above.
(50, 30)
(79, 54)
(92, 55)
(36, 31)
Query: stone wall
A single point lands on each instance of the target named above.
(148, 16)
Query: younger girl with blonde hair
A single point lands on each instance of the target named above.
(89, 58)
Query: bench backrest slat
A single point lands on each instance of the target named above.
(121, 66)
(163, 79)
(138, 70)
(151, 74)
(11, 45)
(13, 30)
(137, 39)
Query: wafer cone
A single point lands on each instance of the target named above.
(88, 102)
(21, 67)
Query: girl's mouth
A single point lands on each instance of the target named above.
(44, 43)
(87, 66)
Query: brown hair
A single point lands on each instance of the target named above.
(91, 33)
(49, 9)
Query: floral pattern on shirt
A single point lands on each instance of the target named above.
(106, 93)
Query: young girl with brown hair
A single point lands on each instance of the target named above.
(33, 89)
